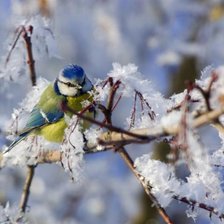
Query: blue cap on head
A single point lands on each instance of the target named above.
(72, 81)
(74, 72)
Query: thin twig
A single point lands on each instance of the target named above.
(26, 34)
(18, 32)
(206, 118)
(194, 203)
(118, 138)
(101, 124)
(26, 189)
(125, 156)
(30, 61)
(55, 156)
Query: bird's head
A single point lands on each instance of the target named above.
(72, 81)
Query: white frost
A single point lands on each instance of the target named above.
(20, 115)
(10, 214)
(171, 120)
(72, 149)
(160, 176)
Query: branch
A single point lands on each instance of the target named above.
(26, 189)
(51, 156)
(18, 34)
(126, 157)
(30, 61)
(116, 138)
(111, 138)
(194, 203)
(149, 134)
(123, 153)
(26, 34)
(101, 124)
(121, 138)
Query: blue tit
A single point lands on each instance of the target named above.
(47, 118)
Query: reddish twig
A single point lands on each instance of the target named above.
(147, 188)
(206, 93)
(118, 100)
(151, 113)
(126, 157)
(101, 124)
(194, 203)
(26, 34)
(30, 61)
(110, 105)
(133, 113)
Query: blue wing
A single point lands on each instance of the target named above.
(40, 118)
(37, 119)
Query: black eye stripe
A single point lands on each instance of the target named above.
(69, 84)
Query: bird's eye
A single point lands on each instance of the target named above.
(70, 84)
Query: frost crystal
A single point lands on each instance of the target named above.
(202, 185)
(10, 215)
(92, 134)
(192, 213)
(171, 120)
(160, 176)
(72, 149)
(217, 158)
(20, 114)
(217, 90)
(206, 72)
(101, 92)
(43, 44)
(26, 151)
(132, 82)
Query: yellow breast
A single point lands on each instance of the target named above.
(55, 132)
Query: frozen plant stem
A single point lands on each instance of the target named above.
(26, 34)
(30, 60)
(26, 189)
(194, 203)
(126, 157)
(13, 45)
(117, 137)
(107, 125)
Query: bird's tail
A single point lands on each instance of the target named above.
(15, 142)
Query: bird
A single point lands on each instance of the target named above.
(48, 118)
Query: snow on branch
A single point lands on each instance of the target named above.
(150, 118)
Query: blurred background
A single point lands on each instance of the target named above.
(169, 40)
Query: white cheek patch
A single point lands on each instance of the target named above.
(66, 90)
